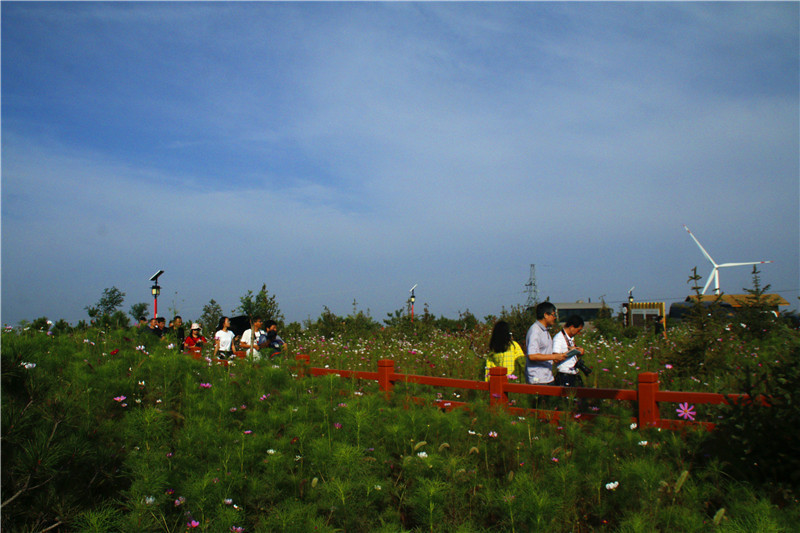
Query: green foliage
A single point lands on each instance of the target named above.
(357, 324)
(255, 447)
(759, 441)
(108, 303)
(138, 310)
(756, 313)
(212, 312)
(519, 320)
(263, 305)
(62, 327)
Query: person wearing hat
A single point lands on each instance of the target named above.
(195, 341)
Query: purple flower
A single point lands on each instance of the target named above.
(686, 411)
(337, 425)
(205, 385)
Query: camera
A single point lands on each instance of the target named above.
(580, 365)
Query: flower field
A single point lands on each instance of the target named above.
(107, 431)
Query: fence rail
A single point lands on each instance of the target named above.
(647, 395)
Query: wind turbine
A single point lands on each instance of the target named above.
(715, 271)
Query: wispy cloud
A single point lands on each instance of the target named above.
(340, 151)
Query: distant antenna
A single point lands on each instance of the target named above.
(532, 290)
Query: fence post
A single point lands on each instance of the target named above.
(303, 361)
(385, 371)
(648, 408)
(497, 381)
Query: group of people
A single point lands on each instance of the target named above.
(543, 352)
(261, 337)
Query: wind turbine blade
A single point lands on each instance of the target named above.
(710, 277)
(699, 245)
(743, 264)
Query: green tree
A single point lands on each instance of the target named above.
(138, 310)
(262, 304)
(756, 314)
(109, 302)
(61, 327)
(212, 312)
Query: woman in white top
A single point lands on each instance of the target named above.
(223, 339)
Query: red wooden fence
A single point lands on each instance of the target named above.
(647, 395)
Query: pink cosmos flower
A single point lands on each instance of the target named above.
(119, 399)
(493, 434)
(686, 411)
(205, 385)
(192, 523)
(248, 431)
(337, 425)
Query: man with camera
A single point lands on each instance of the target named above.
(564, 341)
(540, 349)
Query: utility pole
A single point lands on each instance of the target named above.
(533, 292)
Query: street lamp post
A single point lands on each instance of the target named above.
(629, 311)
(411, 299)
(155, 290)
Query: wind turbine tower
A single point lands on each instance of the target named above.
(715, 270)
(533, 292)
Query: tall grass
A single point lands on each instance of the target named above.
(110, 433)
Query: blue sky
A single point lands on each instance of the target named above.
(347, 151)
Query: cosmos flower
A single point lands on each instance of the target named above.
(612, 486)
(686, 411)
